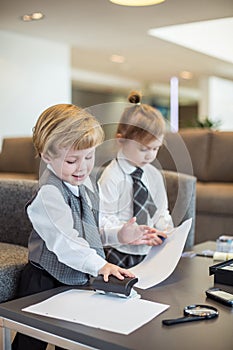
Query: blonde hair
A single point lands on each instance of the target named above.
(141, 122)
(63, 126)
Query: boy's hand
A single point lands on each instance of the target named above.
(111, 269)
(131, 232)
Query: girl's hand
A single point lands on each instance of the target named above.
(154, 237)
(131, 232)
(111, 269)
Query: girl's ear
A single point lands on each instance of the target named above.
(119, 139)
(45, 157)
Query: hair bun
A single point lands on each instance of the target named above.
(135, 97)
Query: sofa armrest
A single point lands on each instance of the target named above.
(13, 258)
(181, 192)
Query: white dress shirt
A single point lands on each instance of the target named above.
(52, 219)
(116, 201)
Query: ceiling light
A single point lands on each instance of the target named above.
(117, 59)
(26, 18)
(136, 2)
(35, 16)
(186, 75)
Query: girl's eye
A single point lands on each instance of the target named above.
(70, 162)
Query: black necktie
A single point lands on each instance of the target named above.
(142, 201)
(90, 229)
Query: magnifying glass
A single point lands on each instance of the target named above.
(194, 313)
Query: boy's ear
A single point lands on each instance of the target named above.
(45, 157)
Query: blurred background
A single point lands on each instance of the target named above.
(178, 53)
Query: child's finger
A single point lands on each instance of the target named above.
(139, 241)
(127, 273)
(105, 277)
(131, 221)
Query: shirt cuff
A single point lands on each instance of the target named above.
(110, 235)
(94, 264)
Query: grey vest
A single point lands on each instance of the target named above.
(38, 251)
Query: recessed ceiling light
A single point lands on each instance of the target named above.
(26, 18)
(136, 2)
(117, 59)
(186, 75)
(35, 16)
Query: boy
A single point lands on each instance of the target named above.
(64, 245)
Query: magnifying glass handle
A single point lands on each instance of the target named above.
(181, 320)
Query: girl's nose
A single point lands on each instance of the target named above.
(151, 154)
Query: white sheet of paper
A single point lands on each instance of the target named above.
(102, 311)
(162, 260)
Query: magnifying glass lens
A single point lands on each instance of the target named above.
(200, 311)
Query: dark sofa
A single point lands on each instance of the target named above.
(207, 155)
(14, 231)
(17, 159)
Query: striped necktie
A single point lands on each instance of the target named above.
(90, 228)
(143, 204)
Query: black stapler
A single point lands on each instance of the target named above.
(114, 286)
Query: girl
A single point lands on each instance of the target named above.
(131, 187)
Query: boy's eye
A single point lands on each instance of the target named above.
(89, 156)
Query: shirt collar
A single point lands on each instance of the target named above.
(128, 168)
(124, 163)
